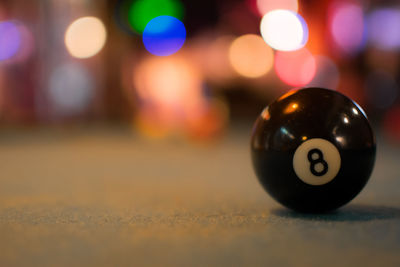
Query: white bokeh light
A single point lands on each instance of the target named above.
(284, 30)
(85, 37)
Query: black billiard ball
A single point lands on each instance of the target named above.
(313, 149)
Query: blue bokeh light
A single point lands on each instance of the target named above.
(164, 35)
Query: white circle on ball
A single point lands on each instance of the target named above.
(316, 161)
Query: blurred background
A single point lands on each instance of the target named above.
(191, 69)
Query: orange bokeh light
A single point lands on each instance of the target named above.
(171, 82)
(250, 56)
(171, 100)
(296, 68)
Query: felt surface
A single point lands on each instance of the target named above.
(108, 198)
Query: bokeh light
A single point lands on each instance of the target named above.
(70, 89)
(327, 73)
(296, 68)
(10, 40)
(142, 11)
(383, 28)
(164, 35)
(169, 90)
(169, 81)
(346, 26)
(171, 100)
(16, 42)
(250, 56)
(265, 6)
(85, 37)
(284, 30)
(381, 89)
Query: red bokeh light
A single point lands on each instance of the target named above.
(296, 68)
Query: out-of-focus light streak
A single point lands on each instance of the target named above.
(85, 37)
(284, 30)
(250, 56)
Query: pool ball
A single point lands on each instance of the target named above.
(313, 149)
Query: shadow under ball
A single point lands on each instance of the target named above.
(313, 149)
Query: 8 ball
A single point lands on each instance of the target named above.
(313, 149)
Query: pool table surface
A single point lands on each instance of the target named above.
(109, 197)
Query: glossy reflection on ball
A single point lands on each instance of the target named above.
(313, 149)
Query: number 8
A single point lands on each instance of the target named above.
(318, 160)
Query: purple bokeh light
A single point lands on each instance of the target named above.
(384, 28)
(10, 40)
(347, 27)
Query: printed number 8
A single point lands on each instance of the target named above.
(318, 160)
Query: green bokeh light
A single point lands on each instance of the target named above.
(142, 11)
